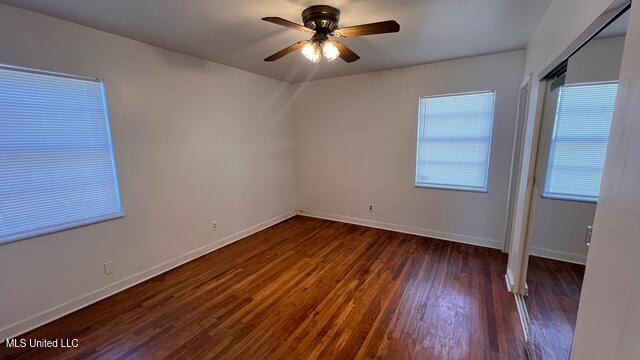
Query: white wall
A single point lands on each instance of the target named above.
(608, 325)
(563, 21)
(560, 225)
(365, 151)
(194, 140)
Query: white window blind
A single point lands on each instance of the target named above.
(579, 141)
(454, 141)
(57, 168)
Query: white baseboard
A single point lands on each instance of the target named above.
(466, 239)
(559, 255)
(23, 326)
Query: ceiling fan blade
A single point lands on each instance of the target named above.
(286, 51)
(345, 53)
(289, 24)
(383, 27)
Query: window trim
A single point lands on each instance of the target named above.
(563, 196)
(422, 185)
(87, 221)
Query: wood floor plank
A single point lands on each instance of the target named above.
(554, 294)
(306, 289)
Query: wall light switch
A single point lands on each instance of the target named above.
(109, 268)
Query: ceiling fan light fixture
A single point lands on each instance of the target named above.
(311, 51)
(323, 22)
(330, 50)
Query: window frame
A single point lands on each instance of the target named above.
(568, 197)
(87, 221)
(422, 115)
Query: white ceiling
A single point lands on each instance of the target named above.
(231, 32)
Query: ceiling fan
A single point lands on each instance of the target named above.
(321, 21)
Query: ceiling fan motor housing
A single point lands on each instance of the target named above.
(321, 18)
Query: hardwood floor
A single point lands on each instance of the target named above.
(554, 294)
(307, 289)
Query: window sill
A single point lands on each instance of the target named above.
(569, 198)
(454, 188)
(58, 228)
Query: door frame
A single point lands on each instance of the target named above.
(516, 158)
(518, 256)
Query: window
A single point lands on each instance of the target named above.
(454, 141)
(579, 141)
(57, 168)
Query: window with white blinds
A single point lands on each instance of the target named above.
(57, 169)
(579, 141)
(454, 141)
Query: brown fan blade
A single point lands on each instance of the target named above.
(382, 27)
(345, 53)
(289, 24)
(287, 51)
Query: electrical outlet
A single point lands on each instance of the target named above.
(214, 226)
(370, 207)
(109, 268)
